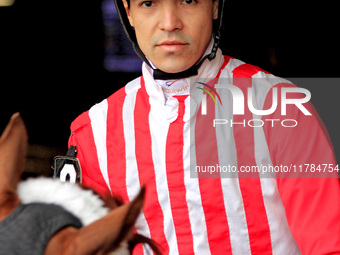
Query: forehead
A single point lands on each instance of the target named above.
(168, 1)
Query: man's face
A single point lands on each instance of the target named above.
(172, 34)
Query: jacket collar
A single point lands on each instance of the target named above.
(207, 71)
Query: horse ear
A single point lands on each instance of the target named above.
(13, 150)
(105, 234)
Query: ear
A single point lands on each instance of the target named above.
(13, 150)
(215, 9)
(103, 235)
(128, 13)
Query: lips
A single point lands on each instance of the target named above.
(171, 46)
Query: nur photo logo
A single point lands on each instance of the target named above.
(247, 99)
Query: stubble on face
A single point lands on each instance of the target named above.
(163, 49)
(172, 40)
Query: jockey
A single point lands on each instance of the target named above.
(156, 131)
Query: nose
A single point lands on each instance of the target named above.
(170, 19)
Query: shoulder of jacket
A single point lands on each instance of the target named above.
(81, 121)
(233, 66)
(245, 70)
(240, 69)
(117, 97)
(120, 94)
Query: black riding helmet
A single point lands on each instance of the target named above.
(159, 74)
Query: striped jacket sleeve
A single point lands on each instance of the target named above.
(82, 137)
(311, 198)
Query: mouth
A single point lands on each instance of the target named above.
(171, 46)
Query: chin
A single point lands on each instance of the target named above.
(175, 66)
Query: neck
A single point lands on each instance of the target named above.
(9, 200)
(154, 88)
(177, 84)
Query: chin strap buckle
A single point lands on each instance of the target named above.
(217, 38)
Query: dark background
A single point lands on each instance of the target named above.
(51, 57)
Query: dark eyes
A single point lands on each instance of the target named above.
(151, 3)
(147, 4)
(188, 1)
